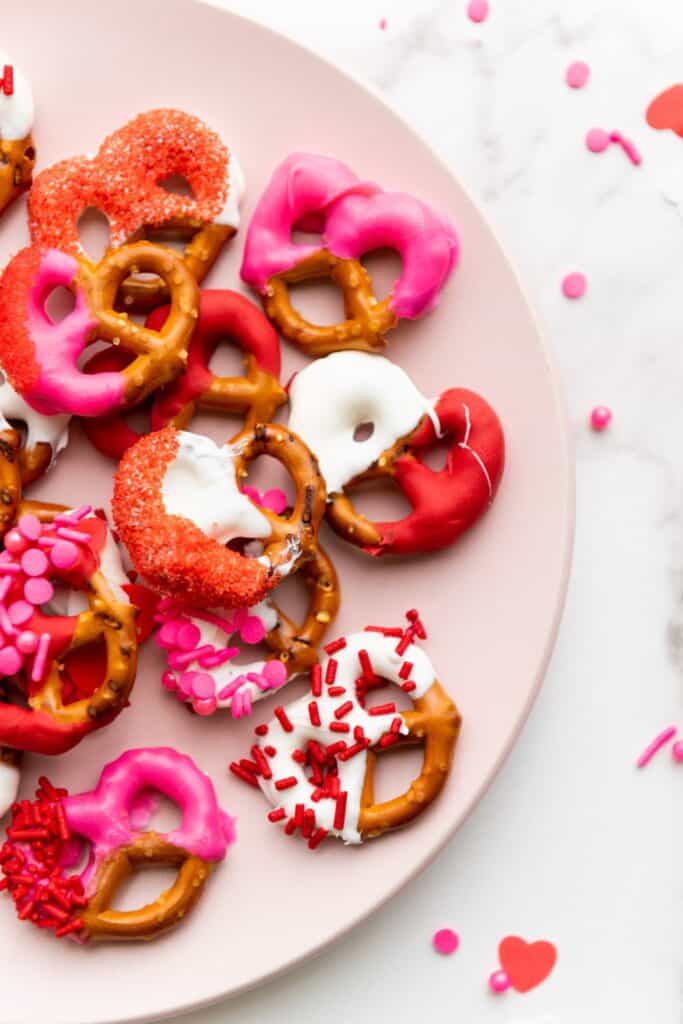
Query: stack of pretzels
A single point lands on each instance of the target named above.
(203, 552)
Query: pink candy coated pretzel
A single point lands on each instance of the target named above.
(44, 841)
(317, 193)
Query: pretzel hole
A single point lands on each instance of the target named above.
(59, 303)
(85, 670)
(384, 267)
(394, 774)
(364, 431)
(227, 359)
(151, 811)
(265, 473)
(144, 885)
(94, 233)
(76, 856)
(436, 456)
(178, 185)
(318, 302)
(380, 500)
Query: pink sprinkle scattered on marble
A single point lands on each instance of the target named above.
(597, 141)
(445, 941)
(601, 417)
(577, 74)
(478, 10)
(383, 23)
(574, 285)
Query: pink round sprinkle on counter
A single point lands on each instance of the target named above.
(499, 982)
(577, 74)
(677, 751)
(574, 285)
(38, 590)
(15, 543)
(445, 941)
(64, 554)
(20, 612)
(478, 10)
(597, 140)
(188, 636)
(29, 526)
(382, 23)
(11, 661)
(600, 417)
(27, 642)
(202, 685)
(34, 562)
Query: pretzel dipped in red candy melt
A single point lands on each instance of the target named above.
(315, 760)
(333, 397)
(125, 182)
(177, 504)
(40, 356)
(66, 669)
(223, 316)
(44, 841)
(318, 193)
(17, 150)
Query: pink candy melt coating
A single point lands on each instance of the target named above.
(354, 217)
(577, 74)
(103, 815)
(478, 10)
(445, 941)
(574, 285)
(61, 386)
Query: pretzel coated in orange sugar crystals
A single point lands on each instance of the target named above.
(315, 760)
(125, 181)
(177, 504)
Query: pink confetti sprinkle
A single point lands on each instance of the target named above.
(14, 542)
(205, 707)
(34, 562)
(253, 630)
(188, 636)
(203, 685)
(232, 687)
(11, 661)
(656, 744)
(20, 612)
(218, 657)
(677, 752)
(64, 554)
(79, 536)
(27, 642)
(600, 418)
(597, 140)
(168, 634)
(577, 74)
(275, 673)
(169, 681)
(445, 941)
(383, 23)
(29, 526)
(74, 516)
(478, 10)
(9, 568)
(38, 591)
(574, 285)
(499, 982)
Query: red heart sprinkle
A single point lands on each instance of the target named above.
(526, 964)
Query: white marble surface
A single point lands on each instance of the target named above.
(571, 843)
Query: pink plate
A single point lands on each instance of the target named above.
(492, 603)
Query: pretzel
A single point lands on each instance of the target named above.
(10, 777)
(17, 149)
(40, 839)
(45, 436)
(200, 645)
(177, 504)
(316, 762)
(40, 357)
(125, 182)
(10, 478)
(317, 193)
(52, 545)
(223, 315)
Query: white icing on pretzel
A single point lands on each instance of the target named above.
(200, 485)
(333, 396)
(386, 663)
(237, 186)
(52, 430)
(16, 110)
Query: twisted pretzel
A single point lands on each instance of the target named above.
(10, 478)
(317, 764)
(179, 549)
(40, 357)
(17, 149)
(110, 819)
(125, 181)
(54, 717)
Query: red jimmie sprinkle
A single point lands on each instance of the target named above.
(336, 691)
(340, 727)
(298, 756)
(405, 670)
(282, 718)
(317, 838)
(382, 709)
(340, 811)
(358, 733)
(396, 725)
(331, 671)
(404, 643)
(314, 713)
(335, 748)
(355, 749)
(343, 709)
(408, 686)
(8, 80)
(309, 823)
(317, 680)
(249, 766)
(290, 827)
(384, 630)
(366, 664)
(263, 766)
(298, 815)
(270, 751)
(245, 776)
(286, 783)
(316, 751)
(261, 730)
(335, 645)
(277, 815)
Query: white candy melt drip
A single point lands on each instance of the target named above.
(237, 186)
(331, 397)
(385, 663)
(16, 111)
(200, 485)
(10, 776)
(52, 430)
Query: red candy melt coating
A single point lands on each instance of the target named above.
(111, 434)
(171, 552)
(446, 503)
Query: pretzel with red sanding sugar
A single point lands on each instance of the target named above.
(44, 839)
(444, 503)
(177, 504)
(315, 760)
(73, 672)
(125, 182)
(223, 316)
